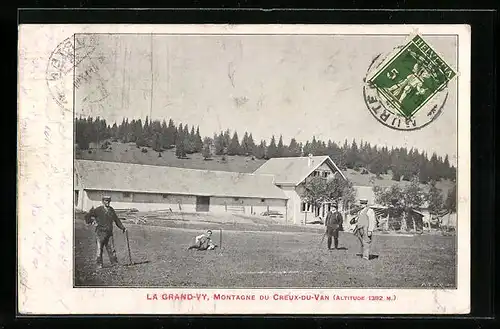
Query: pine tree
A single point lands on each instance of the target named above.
(334, 151)
(146, 131)
(251, 145)
(322, 148)
(423, 169)
(244, 144)
(435, 199)
(219, 144)
(293, 148)
(447, 169)
(179, 134)
(234, 145)
(165, 143)
(171, 133)
(451, 200)
(114, 131)
(138, 134)
(207, 148)
(314, 146)
(306, 150)
(180, 149)
(376, 166)
(198, 142)
(280, 150)
(261, 150)
(189, 140)
(121, 131)
(434, 167)
(352, 156)
(226, 140)
(272, 150)
(157, 142)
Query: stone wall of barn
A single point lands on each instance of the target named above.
(180, 203)
(141, 201)
(249, 206)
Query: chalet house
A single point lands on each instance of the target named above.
(290, 175)
(146, 188)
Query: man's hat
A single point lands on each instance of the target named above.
(106, 197)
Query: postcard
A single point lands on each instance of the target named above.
(244, 169)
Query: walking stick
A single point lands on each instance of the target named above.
(220, 238)
(128, 247)
(322, 239)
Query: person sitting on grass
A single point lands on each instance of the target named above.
(203, 242)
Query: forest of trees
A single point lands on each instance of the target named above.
(400, 162)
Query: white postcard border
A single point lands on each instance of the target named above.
(45, 198)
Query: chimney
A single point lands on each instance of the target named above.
(309, 160)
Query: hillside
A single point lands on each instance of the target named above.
(128, 152)
(121, 152)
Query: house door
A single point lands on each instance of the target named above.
(76, 198)
(202, 203)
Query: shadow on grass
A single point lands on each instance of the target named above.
(137, 263)
(369, 257)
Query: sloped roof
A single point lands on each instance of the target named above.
(116, 176)
(293, 170)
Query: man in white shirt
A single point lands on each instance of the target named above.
(203, 242)
(365, 226)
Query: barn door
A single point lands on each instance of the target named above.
(202, 203)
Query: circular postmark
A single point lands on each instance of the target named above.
(74, 73)
(406, 90)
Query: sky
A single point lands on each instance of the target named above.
(296, 86)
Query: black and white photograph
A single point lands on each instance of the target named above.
(251, 161)
(213, 162)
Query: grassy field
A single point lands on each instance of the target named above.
(263, 257)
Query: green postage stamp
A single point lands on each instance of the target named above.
(407, 90)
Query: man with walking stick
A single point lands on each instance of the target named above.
(103, 218)
(333, 225)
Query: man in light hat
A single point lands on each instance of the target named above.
(366, 223)
(333, 225)
(103, 218)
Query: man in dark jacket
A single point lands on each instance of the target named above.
(103, 217)
(333, 225)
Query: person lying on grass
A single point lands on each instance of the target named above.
(203, 242)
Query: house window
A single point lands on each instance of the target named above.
(236, 199)
(126, 194)
(326, 174)
(164, 196)
(262, 200)
(315, 173)
(305, 207)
